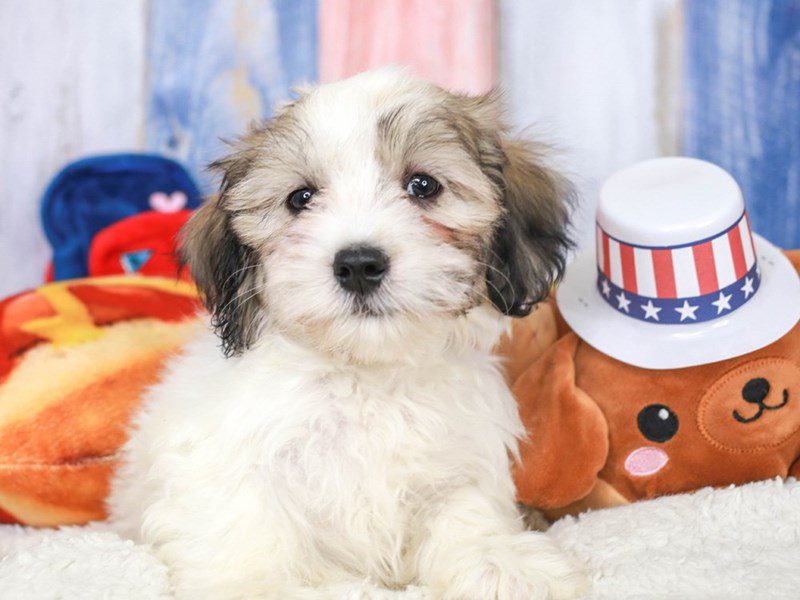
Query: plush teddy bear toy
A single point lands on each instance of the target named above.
(678, 361)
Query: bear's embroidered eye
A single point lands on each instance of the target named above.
(657, 423)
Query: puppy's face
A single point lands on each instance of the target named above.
(369, 213)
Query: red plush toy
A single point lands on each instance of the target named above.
(93, 194)
(144, 244)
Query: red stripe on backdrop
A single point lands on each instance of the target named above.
(628, 268)
(665, 274)
(606, 257)
(450, 42)
(705, 267)
(737, 251)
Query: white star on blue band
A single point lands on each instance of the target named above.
(676, 311)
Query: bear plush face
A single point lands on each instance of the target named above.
(605, 433)
(673, 431)
(754, 407)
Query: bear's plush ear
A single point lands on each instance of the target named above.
(567, 442)
(529, 338)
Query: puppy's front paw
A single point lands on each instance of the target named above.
(525, 566)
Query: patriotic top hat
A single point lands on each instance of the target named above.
(676, 278)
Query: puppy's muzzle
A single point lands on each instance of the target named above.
(360, 269)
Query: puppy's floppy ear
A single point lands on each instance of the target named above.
(530, 246)
(224, 269)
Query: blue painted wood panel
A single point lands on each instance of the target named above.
(743, 103)
(216, 65)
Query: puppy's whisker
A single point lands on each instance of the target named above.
(492, 267)
(256, 323)
(239, 299)
(237, 271)
(506, 306)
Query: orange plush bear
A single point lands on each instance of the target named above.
(604, 433)
(673, 356)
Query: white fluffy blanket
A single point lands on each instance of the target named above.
(734, 543)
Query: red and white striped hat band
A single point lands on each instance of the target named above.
(688, 283)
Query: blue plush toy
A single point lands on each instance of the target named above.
(91, 194)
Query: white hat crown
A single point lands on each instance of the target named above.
(674, 244)
(676, 278)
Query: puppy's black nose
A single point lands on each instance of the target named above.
(755, 390)
(360, 269)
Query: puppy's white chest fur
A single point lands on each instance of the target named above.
(369, 450)
(338, 465)
(364, 458)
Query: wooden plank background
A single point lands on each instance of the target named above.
(587, 77)
(216, 65)
(743, 104)
(450, 42)
(71, 84)
(600, 80)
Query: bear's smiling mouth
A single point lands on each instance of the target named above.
(761, 408)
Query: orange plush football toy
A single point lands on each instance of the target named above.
(626, 406)
(75, 357)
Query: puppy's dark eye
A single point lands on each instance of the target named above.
(422, 186)
(657, 423)
(299, 199)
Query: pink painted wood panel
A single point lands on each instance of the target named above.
(450, 42)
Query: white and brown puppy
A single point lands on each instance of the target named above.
(343, 422)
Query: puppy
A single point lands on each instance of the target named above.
(343, 421)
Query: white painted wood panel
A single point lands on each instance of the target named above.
(71, 84)
(597, 79)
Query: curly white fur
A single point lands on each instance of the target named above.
(281, 470)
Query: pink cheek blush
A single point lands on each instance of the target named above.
(646, 461)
